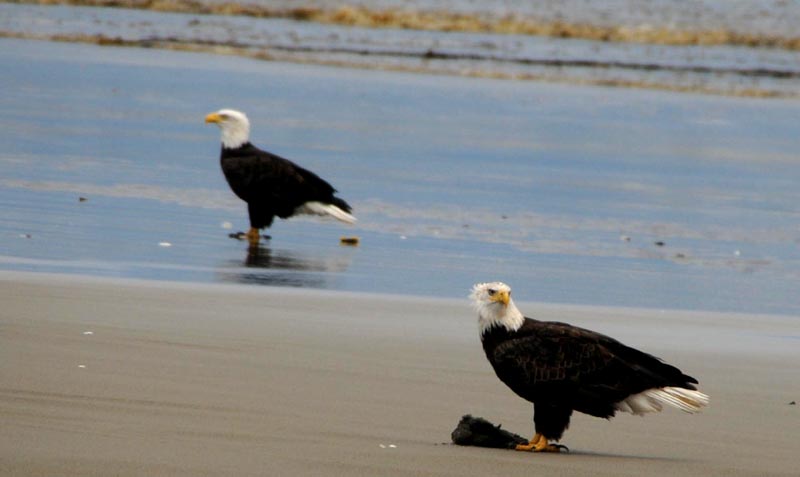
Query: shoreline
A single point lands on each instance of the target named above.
(608, 312)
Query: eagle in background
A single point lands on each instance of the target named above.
(271, 185)
(562, 368)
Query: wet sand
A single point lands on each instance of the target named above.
(584, 200)
(123, 377)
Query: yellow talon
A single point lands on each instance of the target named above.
(530, 445)
(539, 444)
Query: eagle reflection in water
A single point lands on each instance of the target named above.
(264, 265)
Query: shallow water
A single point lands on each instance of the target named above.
(561, 191)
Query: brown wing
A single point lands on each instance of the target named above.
(554, 352)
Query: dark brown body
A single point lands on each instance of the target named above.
(561, 368)
(273, 186)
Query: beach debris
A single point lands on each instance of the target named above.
(737, 253)
(351, 241)
(680, 255)
(403, 237)
(27, 236)
(389, 446)
(659, 243)
(88, 333)
(226, 225)
(625, 238)
(82, 366)
(164, 244)
(82, 199)
(792, 403)
(477, 431)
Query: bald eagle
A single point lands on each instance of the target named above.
(562, 368)
(271, 185)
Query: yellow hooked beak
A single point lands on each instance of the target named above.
(501, 296)
(213, 118)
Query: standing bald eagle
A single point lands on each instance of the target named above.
(561, 368)
(271, 185)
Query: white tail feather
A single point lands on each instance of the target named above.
(318, 208)
(652, 400)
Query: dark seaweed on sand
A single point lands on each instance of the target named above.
(477, 431)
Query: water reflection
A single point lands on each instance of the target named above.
(264, 265)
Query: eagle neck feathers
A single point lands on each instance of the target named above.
(236, 135)
(498, 315)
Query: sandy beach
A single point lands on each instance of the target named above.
(122, 377)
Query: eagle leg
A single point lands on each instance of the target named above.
(253, 236)
(539, 444)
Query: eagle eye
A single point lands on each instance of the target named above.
(491, 291)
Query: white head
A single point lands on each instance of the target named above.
(493, 303)
(234, 125)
